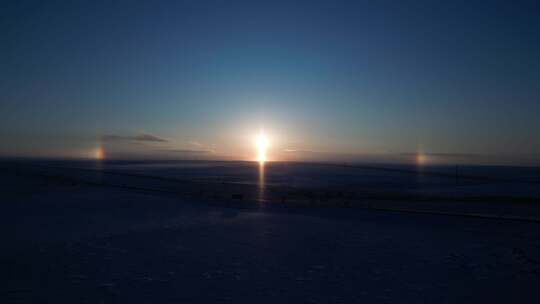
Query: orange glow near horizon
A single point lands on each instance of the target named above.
(261, 143)
(420, 159)
(100, 153)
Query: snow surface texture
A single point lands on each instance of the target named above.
(67, 242)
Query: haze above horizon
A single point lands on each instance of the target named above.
(452, 82)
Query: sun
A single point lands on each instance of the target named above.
(261, 143)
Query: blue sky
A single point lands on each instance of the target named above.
(325, 79)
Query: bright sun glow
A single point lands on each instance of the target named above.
(100, 153)
(261, 142)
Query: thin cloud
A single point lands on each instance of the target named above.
(138, 138)
(188, 151)
(196, 143)
(149, 137)
(300, 151)
(446, 155)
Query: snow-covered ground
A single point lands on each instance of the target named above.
(68, 242)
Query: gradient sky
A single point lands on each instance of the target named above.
(324, 79)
